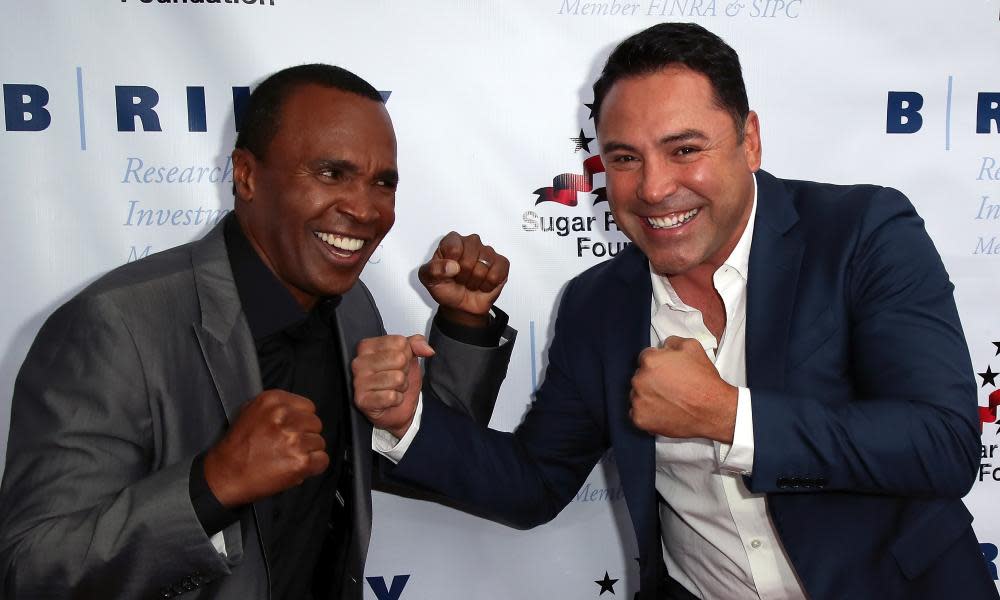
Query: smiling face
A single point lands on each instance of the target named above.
(323, 198)
(679, 175)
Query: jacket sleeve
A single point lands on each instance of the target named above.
(907, 422)
(83, 511)
(524, 478)
(465, 376)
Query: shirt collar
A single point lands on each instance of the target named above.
(267, 303)
(739, 259)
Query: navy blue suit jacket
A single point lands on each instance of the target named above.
(864, 403)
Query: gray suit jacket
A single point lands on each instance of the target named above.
(124, 385)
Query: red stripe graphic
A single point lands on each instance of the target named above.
(988, 414)
(565, 186)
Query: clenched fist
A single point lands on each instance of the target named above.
(274, 444)
(465, 277)
(677, 392)
(387, 380)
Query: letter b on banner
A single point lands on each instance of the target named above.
(902, 112)
(24, 107)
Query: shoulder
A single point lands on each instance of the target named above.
(603, 285)
(821, 202)
(159, 288)
(163, 281)
(831, 215)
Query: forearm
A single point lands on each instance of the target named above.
(467, 375)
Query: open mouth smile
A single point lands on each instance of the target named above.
(340, 244)
(672, 221)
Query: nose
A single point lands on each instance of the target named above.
(657, 181)
(358, 204)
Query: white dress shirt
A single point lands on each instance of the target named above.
(718, 540)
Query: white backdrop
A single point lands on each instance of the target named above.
(485, 97)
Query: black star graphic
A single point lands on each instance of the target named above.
(989, 377)
(997, 344)
(607, 584)
(600, 195)
(591, 107)
(582, 142)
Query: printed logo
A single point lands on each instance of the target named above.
(904, 112)
(988, 389)
(594, 235)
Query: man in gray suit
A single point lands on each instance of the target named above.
(185, 424)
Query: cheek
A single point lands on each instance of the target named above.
(620, 188)
(387, 215)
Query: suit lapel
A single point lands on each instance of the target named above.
(357, 319)
(222, 333)
(772, 281)
(626, 334)
(225, 340)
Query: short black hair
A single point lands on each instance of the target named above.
(685, 44)
(261, 117)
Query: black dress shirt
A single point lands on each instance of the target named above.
(297, 351)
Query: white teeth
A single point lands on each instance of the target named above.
(672, 221)
(340, 242)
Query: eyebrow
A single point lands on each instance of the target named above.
(683, 136)
(672, 138)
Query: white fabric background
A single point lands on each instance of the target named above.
(485, 98)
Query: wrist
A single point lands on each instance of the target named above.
(464, 318)
(217, 480)
(400, 432)
(727, 401)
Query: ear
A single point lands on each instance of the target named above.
(244, 168)
(751, 141)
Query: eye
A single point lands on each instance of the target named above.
(332, 173)
(387, 182)
(686, 150)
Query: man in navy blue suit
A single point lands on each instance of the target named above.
(778, 365)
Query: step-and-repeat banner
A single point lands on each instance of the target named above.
(118, 121)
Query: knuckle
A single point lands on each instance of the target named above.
(300, 463)
(398, 361)
(397, 379)
(278, 414)
(357, 365)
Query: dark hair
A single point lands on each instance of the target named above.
(260, 119)
(685, 44)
